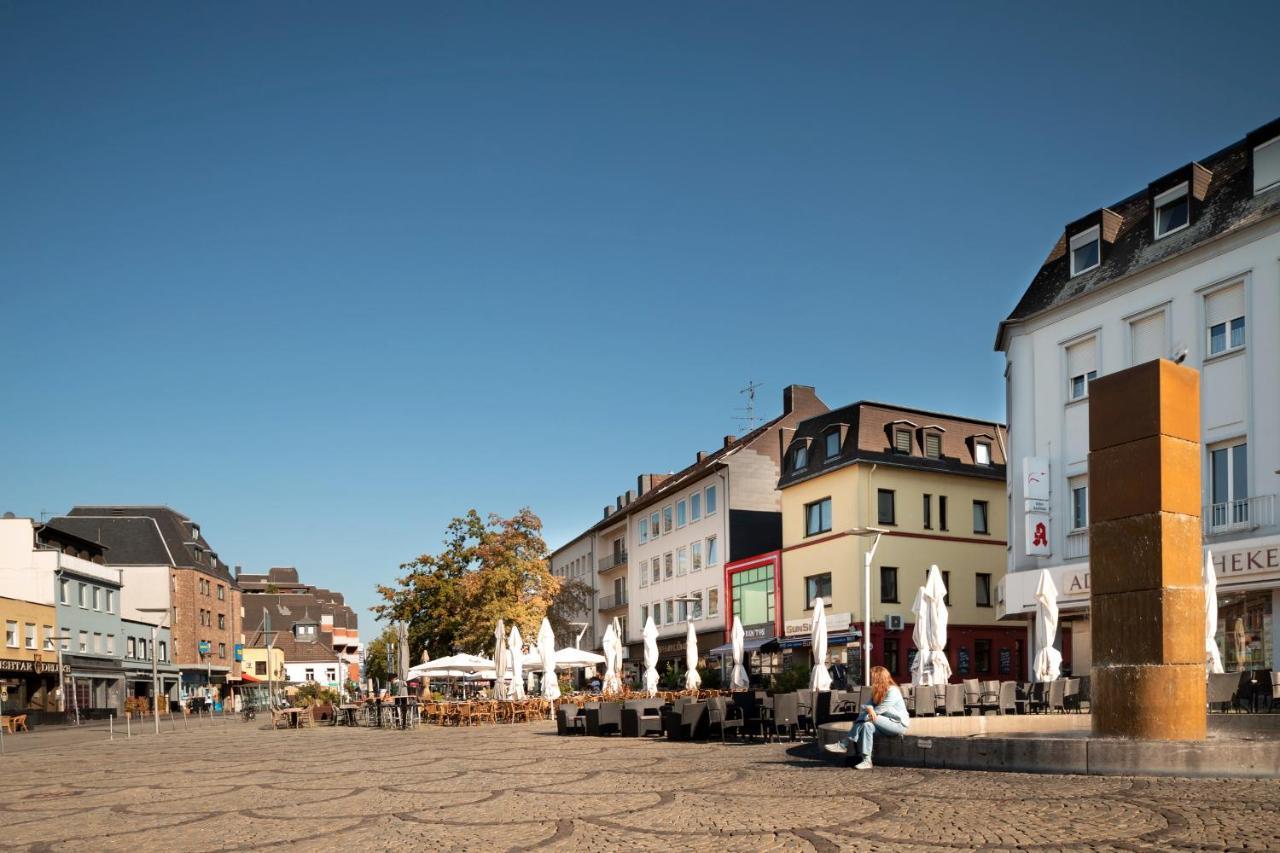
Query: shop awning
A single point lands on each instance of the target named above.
(760, 644)
(249, 679)
(850, 638)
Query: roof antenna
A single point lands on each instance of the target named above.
(749, 421)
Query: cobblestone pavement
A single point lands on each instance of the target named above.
(240, 786)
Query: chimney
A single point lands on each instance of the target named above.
(237, 571)
(644, 483)
(618, 502)
(796, 396)
(629, 497)
(702, 454)
(608, 511)
(729, 439)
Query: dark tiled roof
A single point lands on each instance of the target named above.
(869, 438)
(175, 530)
(131, 541)
(1229, 205)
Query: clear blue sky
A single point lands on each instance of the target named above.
(324, 275)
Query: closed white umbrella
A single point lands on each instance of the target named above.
(650, 657)
(1048, 660)
(500, 660)
(547, 651)
(612, 683)
(402, 643)
(930, 632)
(819, 679)
(1212, 655)
(738, 679)
(692, 681)
(515, 646)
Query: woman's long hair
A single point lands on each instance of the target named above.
(881, 681)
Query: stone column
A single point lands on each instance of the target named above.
(1145, 556)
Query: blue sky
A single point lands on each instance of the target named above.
(323, 276)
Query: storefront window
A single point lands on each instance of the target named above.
(753, 595)
(1244, 632)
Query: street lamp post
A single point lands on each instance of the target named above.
(877, 532)
(155, 661)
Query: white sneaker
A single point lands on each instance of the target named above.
(838, 747)
(864, 764)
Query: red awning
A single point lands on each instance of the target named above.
(247, 677)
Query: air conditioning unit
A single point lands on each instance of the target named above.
(893, 622)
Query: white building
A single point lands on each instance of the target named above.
(1187, 268)
(575, 561)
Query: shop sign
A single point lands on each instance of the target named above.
(32, 666)
(1262, 559)
(239, 651)
(1039, 533)
(667, 647)
(205, 647)
(763, 631)
(1075, 584)
(837, 623)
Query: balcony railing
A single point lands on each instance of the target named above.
(609, 602)
(613, 561)
(1077, 544)
(1244, 514)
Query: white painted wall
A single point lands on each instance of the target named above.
(297, 672)
(575, 562)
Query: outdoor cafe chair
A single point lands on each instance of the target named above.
(1007, 701)
(1058, 695)
(922, 704)
(688, 723)
(637, 723)
(720, 715)
(786, 714)
(804, 708)
(954, 702)
(1222, 690)
(604, 719)
(486, 712)
(569, 720)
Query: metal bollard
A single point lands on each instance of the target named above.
(111, 727)
(128, 727)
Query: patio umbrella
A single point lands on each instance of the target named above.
(568, 658)
(738, 679)
(612, 683)
(500, 660)
(1212, 656)
(547, 651)
(692, 681)
(930, 632)
(515, 645)
(650, 657)
(1048, 660)
(402, 639)
(426, 656)
(819, 679)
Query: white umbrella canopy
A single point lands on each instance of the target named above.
(464, 662)
(612, 683)
(500, 659)
(819, 679)
(692, 681)
(650, 657)
(930, 632)
(1048, 660)
(738, 679)
(547, 652)
(1212, 655)
(515, 645)
(568, 658)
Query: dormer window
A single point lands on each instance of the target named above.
(1266, 166)
(1086, 250)
(1172, 211)
(982, 452)
(799, 457)
(831, 442)
(933, 445)
(902, 440)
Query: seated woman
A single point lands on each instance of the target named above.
(887, 714)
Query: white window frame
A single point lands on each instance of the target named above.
(31, 636)
(668, 519)
(12, 633)
(978, 447)
(1165, 198)
(713, 549)
(1229, 348)
(1084, 238)
(1274, 184)
(695, 556)
(1074, 485)
(682, 513)
(695, 507)
(713, 594)
(668, 565)
(644, 573)
(643, 533)
(682, 561)
(711, 501)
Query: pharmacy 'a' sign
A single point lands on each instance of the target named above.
(1038, 534)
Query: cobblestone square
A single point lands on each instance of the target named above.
(234, 785)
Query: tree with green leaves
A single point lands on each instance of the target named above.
(488, 570)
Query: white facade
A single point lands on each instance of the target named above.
(677, 559)
(322, 672)
(576, 562)
(1220, 304)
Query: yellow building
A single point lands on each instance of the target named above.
(263, 665)
(935, 485)
(28, 660)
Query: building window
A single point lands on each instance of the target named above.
(30, 635)
(11, 634)
(82, 595)
(884, 506)
(1266, 166)
(644, 614)
(1081, 368)
(682, 510)
(48, 638)
(695, 606)
(222, 592)
(832, 440)
(1079, 505)
(671, 611)
(97, 642)
(981, 656)
(982, 453)
(111, 604)
(64, 591)
(695, 551)
(980, 520)
(713, 601)
(1146, 338)
(711, 500)
(642, 530)
(1086, 250)
(946, 583)
(942, 512)
(222, 621)
(815, 587)
(933, 445)
(222, 650)
(799, 457)
(131, 648)
(817, 517)
(902, 440)
(259, 667)
(308, 674)
(666, 519)
(644, 573)
(668, 565)
(695, 506)
(657, 569)
(682, 562)
(753, 595)
(66, 639)
(1172, 211)
(713, 551)
(982, 590)
(164, 650)
(1224, 317)
(890, 661)
(888, 585)
(682, 610)
(657, 614)
(928, 512)
(1229, 485)
(111, 644)
(84, 641)
(654, 526)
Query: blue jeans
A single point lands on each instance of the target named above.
(864, 732)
